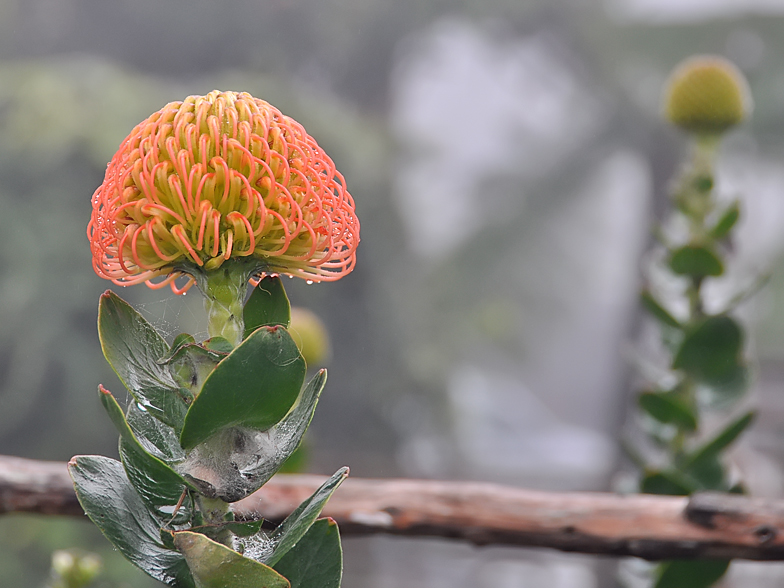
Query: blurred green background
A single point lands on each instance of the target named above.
(507, 160)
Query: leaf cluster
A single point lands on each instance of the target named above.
(208, 425)
(707, 369)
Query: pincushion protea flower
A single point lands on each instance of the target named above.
(215, 177)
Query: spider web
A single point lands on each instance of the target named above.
(170, 315)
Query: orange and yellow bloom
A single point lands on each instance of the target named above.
(220, 176)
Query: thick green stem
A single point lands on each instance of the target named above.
(224, 292)
(223, 298)
(214, 512)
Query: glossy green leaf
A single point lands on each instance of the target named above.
(157, 483)
(268, 305)
(157, 438)
(666, 482)
(723, 439)
(291, 530)
(118, 511)
(711, 351)
(696, 261)
(255, 455)
(669, 407)
(254, 387)
(657, 310)
(316, 561)
(133, 348)
(727, 220)
(684, 573)
(216, 566)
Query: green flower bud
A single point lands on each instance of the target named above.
(706, 95)
(74, 568)
(310, 335)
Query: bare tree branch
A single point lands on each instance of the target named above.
(651, 527)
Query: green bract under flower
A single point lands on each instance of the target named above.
(220, 176)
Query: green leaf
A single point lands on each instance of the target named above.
(727, 220)
(657, 310)
(254, 387)
(216, 566)
(244, 528)
(711, 350)
(317, 560)
(219, 344)
(182, 339)
(703, 183)
(133, 347)
(268, 306)
(157, 483)
(255, 456)
(238, 528)
(157, 438)
(291, 530)
(118, 511)
(723, 439)
(708, 472)
(696, 261)
(723, 391)
(666, 482)
(684, 573)
(669, 407)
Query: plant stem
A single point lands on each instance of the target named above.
(224, 292)
(214, 511)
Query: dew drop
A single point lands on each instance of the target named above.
(309, 282)
(141, 407)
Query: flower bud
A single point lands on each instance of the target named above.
(73, 568)
(310, 335)
(706, 95)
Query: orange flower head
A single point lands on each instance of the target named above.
(215, 177)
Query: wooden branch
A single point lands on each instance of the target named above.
(651, 527)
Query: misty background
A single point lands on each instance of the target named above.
(508, 161)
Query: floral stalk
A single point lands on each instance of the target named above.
(707, 369)
(224, 291)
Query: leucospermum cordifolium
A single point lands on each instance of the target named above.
(217, 191)
(707, 371)
(215, 177)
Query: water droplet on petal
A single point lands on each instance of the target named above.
(309, 282)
